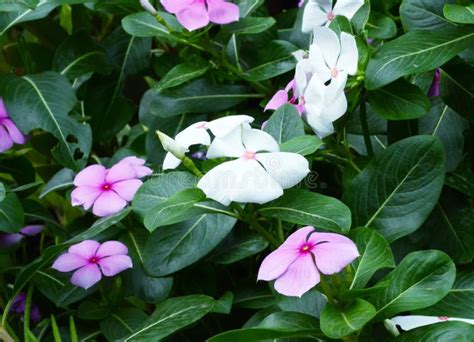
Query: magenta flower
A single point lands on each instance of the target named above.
(90, 259)
(9, 239)
(296, 264)
(194, 14)
(109, 190)
(19, 305)
(282, 97)
(9, 133)
(434, 88)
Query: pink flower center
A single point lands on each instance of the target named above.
(331, 16)
(249, 155)
(94, 260)
(201, 125)
(334, 72)
(443, 318)
(306, 248)
(106, 187)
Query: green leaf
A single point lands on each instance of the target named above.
(375, 254)
(37, 95)
(17, 5)
(309, 208)
(275, 326)
(143, 24)
(339, 322)
(460, 300)
(248, 6)
(381, 26)
(121, 323)
(456, 88)
(459, 14)
(2, 192)
(311, 303)
(304, 145)
(423, 14)
(449, 127)
(197, 97)
(240, 248)
(172, 248)
(224, 303)
(63, 179)
(180, 207)
(361, 17)
(249, 25)
(341, 24)
(420, 280)
(180, 74)
(172, 315)
(285, 124)
(11, 213)
(415, 52)
(462, 180)
(446, 331)
(399, 100)
(397, 190)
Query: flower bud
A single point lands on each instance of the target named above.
(170, 145)
(148, 7)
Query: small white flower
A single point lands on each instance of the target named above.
(318, 13)
(258, 175)
(197, 134)
(412, 322)
(148, 7)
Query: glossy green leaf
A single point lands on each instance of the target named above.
(63, 179)
(381, 26)
(461, 180)
(399, 100)
(339, 322)
(304, 145)
(11, 213)
(420, 280)
(170, 316)
(248, 6)
(143, 24)
(456, 88)
(424, 14)
(375, 254)
(285, 124)
(415, 52)
(446, 331)
(459, 14)
(2, 192)
(249, 25)
(240, 248)
(396, 191)
(17, 5)
(180, 74)
(122, 322)
(309, 208)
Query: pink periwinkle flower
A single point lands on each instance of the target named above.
(300, 3)
(434, 88)
(282, 97)
(10, 239)
(90, 259)
(194, 14)
(19, 304)
(9, 133)
(108, 191)
(296, 265)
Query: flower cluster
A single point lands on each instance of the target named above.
(9, 133)
(318, 13)
(108, 191)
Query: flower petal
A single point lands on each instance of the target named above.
(412, 322)
(6, 141)
(317, 62)
(109, 248)
(299, 278)
(174, 6)
(256, 140)
(32, 230)
(288, 169)
(328, 41)
(14, 132)
(217, 182)
(85, 249)
(349, 54)
(69, 262)
(127, 188)
(223, 126)
(193, 135)
(138, 165)
(120, 172)
(347, 8)
(333, 252)
(276, 263)
(115, 264)
(221, 12)
(93, 175)
(7, 240)
(171, 162)
(279, 99)
(313, 17)
(108, 203)
(86, 276)
(3, 110)
(85, 195)
(303, 73)
(229, 145)
(193, 16)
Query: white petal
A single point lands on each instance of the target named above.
(170, 162)
(217, 182)
(299, 55)
(349, 54)
(288, 169)
(229, 145)
(328, 42)
(321, 128)
(313, 17)
(223, 126)
(256, 140)
(347, 8)
(252, 183)
(315, 92)
(412, 322)
(326, 5)
(194, 135)
(303, 73)
(335, 108)
(318, 64)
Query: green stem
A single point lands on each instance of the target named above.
(326, 289)
(163, 22)
(189, 164)
(263, 232)
(365, 128)
(281, 236)
(26, 313)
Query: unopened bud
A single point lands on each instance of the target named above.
(171, 145)
(148, 6)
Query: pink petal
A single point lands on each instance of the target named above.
(93, 175)
(120, 172)
(3, 110)
(115, 264)
(300, 277)
(299, 237)
(221, 12)
(138, 165)
(279, 99)
(32, 230)
(14, 132)
(69, 262)
(127, 189)
(6, 141)
(8, 240)
(335, 254)
(86, 249)
(193, 16)
(85, 195)
(108, 203)
(86, 276)
(174, 6)
(109, 248)
(276, 263)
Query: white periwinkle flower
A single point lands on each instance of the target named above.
(260, 172)
(318, 13)
(197, 134)
(412, 322)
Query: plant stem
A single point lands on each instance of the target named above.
(263, 232)
(189, 164)
(26, 313)
(326, 289)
